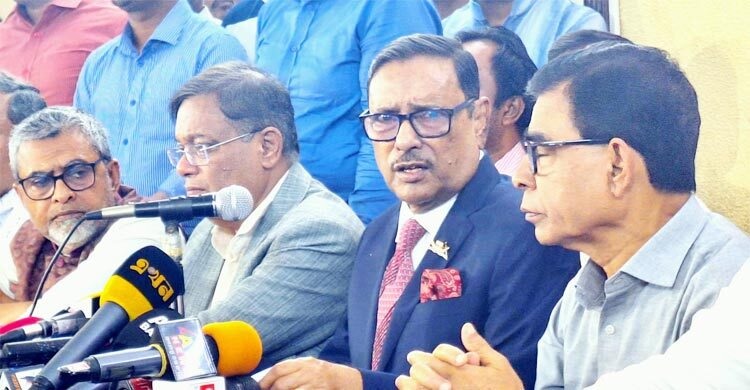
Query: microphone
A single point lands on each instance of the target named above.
(27, 353)
(61, 325)
(138, 333)
(235, 348)
(231, 203)
(147, 279)
(18, 323)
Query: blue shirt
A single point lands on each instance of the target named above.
(537, 22)
(603, 325)
(321, 51)
(130, 92)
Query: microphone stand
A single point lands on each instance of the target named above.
(173, 246)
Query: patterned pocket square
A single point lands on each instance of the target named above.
(439, 284)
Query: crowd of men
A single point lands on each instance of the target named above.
(446, 194)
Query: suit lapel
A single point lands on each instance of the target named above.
(292, 192)
(453, 231)
(205, 277)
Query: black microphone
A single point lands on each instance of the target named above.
(233, 203)
(60, 325)
(27, 353)
(147, 279)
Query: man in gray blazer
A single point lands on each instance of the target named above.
(285, 269)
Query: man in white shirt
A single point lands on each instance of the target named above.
(63, 168)
(285, 268)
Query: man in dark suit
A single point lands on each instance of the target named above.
(462, 250)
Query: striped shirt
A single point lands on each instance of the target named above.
(130, 91)
(508, 164)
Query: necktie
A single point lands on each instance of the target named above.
(397, 275)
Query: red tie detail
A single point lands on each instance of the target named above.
(397, 275)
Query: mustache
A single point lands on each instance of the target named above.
(410, 158)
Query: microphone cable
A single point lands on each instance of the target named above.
(48, 270)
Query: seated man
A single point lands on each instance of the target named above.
(504, 70)
(455, 249)
(61, 159)
(611, 173)
(285, 268)
(18, 100)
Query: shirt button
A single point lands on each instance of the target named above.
(609, 329)
(132, 102)
(125, 141)
(295, 49)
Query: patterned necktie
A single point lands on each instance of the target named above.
(397, 275)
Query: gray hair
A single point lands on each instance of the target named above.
(51, 122)
(23, 99)
(248, 97)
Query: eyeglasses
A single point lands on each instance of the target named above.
(533, 153)
(197, 154)
(78, 177)
(429, 123)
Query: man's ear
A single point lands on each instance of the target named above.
(272, 146)
(624, 162)
(480, 116)
(113, 169)
(512, 109)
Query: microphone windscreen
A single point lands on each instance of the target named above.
(233, 203)
(239, 345)
(19, 323)
(148, 279)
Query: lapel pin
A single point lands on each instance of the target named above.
(440, 248)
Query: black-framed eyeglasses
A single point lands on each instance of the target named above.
(78, 177)
(428, 123)
(533, 153)
(197, 154)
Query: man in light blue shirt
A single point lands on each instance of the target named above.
(321, 51)
(128, 82)
(538, 22)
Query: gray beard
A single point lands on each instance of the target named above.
(82, 236)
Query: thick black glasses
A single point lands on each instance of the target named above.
(429, 123)
(78, 177)
(197, 154)
(533, 153)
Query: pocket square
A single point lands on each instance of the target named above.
(439, 284)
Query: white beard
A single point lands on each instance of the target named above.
(58, 231)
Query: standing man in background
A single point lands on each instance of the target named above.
(45, 42)
(128, 83)
(538, 22)
(321, 51)
(504, 70)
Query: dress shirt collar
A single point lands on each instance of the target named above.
(66, 3)
(429, 220)
(508, 164)
(168, 31)
(657, 262)
(221, 240)
(660, 258)
(518, 8)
